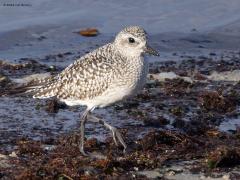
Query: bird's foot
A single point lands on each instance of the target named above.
(93, 155)
(118, 137)
(83, 151)
(115, 133)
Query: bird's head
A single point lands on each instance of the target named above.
(132, 41)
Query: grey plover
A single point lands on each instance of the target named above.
(102, 77)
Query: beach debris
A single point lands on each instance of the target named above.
(4, 80)
(223, 156)
(163, 76)
(213, 100)
(156, 121)
(89, 32)
(53, 106)
(225, 76)
(4, 161)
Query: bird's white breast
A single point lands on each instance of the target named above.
(127, 85)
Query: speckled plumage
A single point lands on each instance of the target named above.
(98, 73)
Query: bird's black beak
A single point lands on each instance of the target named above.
(151, 51)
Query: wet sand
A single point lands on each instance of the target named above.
(177, 127)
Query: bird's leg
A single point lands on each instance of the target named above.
(83, 120)
(115, 133)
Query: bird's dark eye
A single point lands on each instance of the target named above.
(131, 40)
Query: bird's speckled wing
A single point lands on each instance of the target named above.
(86, 78)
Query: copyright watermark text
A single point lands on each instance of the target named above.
(16, 4)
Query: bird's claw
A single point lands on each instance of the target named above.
(83, 152)
(117, 136)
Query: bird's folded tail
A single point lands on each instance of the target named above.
(42, 88)
(46, 91)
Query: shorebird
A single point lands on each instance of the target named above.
(102, 77)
